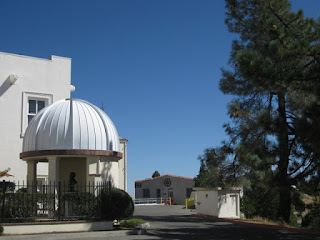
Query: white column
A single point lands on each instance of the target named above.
(32, 176)
(93, 165)
(53, 169)
(92, 169)
(53, 181)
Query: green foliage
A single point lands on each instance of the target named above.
(297, 202)
(263, 202)
(1, 230)
(131, 223)
(80, 203)
(3, 173)
(217, 170)
(155, 174)
(6, 186)
(275, 80)
(116, 204)
(293, 221)
(259, 201)
(312, 219)
(23, 205)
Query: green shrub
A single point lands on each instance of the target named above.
(1, 230)
(312, 219)
(115, 204)
(260, 202)
(293, 221)
(131, 223)
(247, 207)
(22, 205)
(80, 203)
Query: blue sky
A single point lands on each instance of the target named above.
(155, 64)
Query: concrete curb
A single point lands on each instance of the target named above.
(75, 235)
(239, 222)
(34, 228)
(141, 229)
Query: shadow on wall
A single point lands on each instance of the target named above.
(106, 174)
(5, 86)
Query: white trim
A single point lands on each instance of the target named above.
(47, 98)
(38, 58)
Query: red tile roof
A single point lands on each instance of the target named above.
(167, 175)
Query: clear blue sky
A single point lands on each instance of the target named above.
(154, 63)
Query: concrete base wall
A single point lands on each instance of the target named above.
(57, 227)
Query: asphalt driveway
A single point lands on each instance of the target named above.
(174, 222)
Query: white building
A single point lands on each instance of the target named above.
(218, 202)
(166, 186)
(28, 84)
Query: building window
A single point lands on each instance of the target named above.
(32, 103)
(170, 193)
(34, 106)
(188, 192)
(146, 193)
(158, 193)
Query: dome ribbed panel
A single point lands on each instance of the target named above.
(71, 124)
(62, 126)
(109, 128)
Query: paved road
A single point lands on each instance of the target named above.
(174, 222)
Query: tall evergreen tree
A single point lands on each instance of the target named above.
(275, 69)
(156, 174)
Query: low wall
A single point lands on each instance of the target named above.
(31, 228)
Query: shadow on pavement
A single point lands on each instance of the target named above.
(171, 223)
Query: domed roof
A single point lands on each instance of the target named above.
(71, 124)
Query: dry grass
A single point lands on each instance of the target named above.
(259, 220)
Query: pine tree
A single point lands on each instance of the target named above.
(155, 174)
(275, 70)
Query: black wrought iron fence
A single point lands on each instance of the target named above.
(55, 200)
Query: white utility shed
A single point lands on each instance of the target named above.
(218, 202)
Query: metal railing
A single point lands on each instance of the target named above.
(55, 200)
(152, 201)
(138, 201)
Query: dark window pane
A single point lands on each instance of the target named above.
(29, 118)
(158, 193)
(32, 106)
(40, 105)
(188, 192)
(146, 193)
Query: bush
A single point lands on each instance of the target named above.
(293, 221)
(1, 230)
(260, 202)
(131, 223)
(80, 203)
(116, 204)
(21, 205)
(312, 219)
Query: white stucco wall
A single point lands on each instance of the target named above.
(228, 205)
(207, 203)
(45, 79)
(122, 165)
(217, 202)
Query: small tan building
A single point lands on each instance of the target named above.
(218, 202)
(166, 186)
